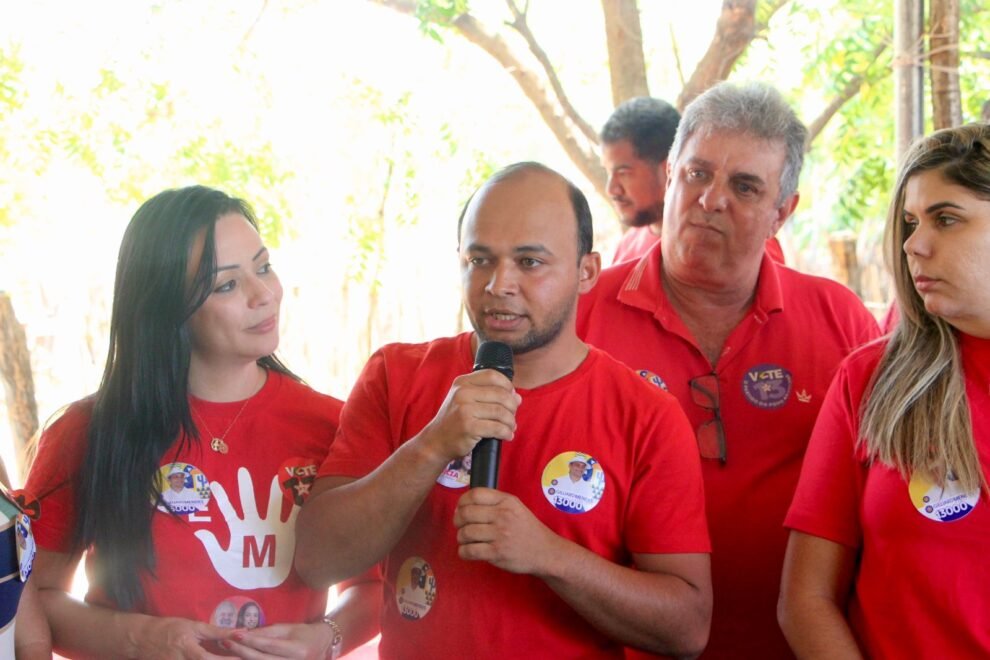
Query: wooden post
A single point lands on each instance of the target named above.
(844, 261)
(15, 372)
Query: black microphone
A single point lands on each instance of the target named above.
(485, 456)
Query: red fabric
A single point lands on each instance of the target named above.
(285, 425)
(773, 373)
(890, 319)
(775, 251)
(652, 501)
(921, 585)
(637, 241)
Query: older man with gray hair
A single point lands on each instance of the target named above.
(746, 345)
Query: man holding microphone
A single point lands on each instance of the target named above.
(506, 573)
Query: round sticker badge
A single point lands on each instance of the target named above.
(941, 504)
(651, 377)
(25, 545)
(415, 588)
(573, 482)
(184, 488)
(767, 386)
(457, 474)
(296, 477)
(238, 612)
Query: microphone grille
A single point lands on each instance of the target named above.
(494, 355)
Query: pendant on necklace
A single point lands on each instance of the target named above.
(218, 445)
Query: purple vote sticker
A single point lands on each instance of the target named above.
(767, 386)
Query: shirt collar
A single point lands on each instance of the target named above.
(642, 287)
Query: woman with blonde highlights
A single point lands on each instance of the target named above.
(890, 522)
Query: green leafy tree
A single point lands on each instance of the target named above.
(11, 100)
(844, 93)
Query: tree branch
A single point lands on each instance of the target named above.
(849, 91)
(520, 25)
(624, 38)
(734, 31)
(553, 114)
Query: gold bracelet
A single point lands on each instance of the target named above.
(338, 637)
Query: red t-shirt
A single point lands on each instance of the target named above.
(890, 318)
(641, 492)
(773, 373)
(234, 540)
(922, 584)
(637, 241)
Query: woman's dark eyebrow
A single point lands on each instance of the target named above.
(254, 258)
(941, 205)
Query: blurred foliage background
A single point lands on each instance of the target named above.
(358, 129)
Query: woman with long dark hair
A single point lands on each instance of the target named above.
(891, 519)
(180, 479)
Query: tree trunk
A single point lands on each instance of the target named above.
(845, 263)
(624, 36)
(734, 31)
(943, 46)
(908, 78)
(15, 371)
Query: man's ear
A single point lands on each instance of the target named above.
(785, 211)
(662, 173)
(589, 268)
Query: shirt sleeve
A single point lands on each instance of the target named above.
(666, 512)
(830, 489)
(869, 329)
(364, 439)
(52, 480)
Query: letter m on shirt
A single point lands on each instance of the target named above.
(255, 556)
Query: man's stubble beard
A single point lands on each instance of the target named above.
(648, 216)
(537, 337)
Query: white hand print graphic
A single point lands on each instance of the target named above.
(260, 551)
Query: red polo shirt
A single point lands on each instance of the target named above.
(773, 373)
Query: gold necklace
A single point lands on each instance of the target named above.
(217, 444)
